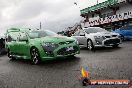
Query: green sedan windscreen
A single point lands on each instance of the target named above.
(39, 34)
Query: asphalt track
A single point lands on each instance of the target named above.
(104, 63)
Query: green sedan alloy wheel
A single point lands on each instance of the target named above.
(35, 56)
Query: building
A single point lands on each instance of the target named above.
(111, 14)
(71, 30)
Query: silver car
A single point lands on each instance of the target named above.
(93, 37)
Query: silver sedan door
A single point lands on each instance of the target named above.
(80, 36)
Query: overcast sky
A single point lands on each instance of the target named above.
(55, 15)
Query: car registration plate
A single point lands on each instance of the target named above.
(69, 48)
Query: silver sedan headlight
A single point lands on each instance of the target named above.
(99, 39)
(118, 35)
(76, 42)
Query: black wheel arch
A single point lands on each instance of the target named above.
(33, 48)
(88, 40)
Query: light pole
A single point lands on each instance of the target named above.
(97, 2)
(40, 25)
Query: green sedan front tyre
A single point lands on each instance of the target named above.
(8, 53)
(71, 56)
(35, 57)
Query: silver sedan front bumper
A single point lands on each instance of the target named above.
(107, 42)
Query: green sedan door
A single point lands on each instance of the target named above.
(22, 45)
(11, 41)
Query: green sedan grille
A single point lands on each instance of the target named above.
(64, 51)
(67, 42)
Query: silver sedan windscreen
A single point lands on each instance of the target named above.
(94, 30)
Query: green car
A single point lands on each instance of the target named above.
(39, 45)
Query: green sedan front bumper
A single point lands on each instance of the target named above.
(61, 51)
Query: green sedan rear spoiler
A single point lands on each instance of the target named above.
(13, 30)
(19, 29)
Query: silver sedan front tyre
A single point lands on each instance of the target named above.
(90, 45)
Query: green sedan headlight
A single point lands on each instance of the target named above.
(49, 46)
